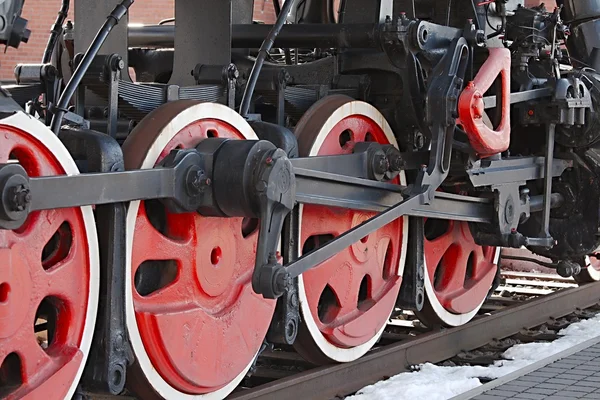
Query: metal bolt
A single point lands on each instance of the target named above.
(261, 186)
(419, 140)
(233, 72)
(20, 198)
(197, 182)
(381, 164)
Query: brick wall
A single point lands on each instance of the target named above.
(264, 11)
(550, 4)
(42, 13)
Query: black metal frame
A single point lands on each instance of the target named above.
(106, 371)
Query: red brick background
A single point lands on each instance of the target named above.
(550, 4)
(42, 13)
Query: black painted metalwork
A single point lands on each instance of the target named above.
(265, 47)
(57, 30)
(112, 20)
(412, 292)
(14, 28)
(212, 24)
(110, 355)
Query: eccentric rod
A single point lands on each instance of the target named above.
(262, 55)
(111, 21)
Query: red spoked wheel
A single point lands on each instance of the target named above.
(49, 276)
(458, 273)
(346, 301)
(590, 272)
(195, 323)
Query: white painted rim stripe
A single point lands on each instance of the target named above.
(43, 134)
(183, 119)
(333, 352)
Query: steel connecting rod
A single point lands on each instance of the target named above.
(191, 181)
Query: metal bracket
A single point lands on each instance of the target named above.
(412, 291)
(286, 321)
(111, 352)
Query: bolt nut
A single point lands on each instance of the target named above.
(20, 198)
(419, 140)
(196, 181)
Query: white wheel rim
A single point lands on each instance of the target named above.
(44, 135)
(184, 118)
(333, 352)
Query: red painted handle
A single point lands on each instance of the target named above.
(484, 140)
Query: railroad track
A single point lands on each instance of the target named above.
(523, 301)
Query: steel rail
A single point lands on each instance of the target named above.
(344, 379)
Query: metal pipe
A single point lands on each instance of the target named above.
(111, 21)
(536, 203)
(262, 56)
(245, 36)
(56, 31)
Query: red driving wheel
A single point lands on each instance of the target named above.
(48, 277)
(347, 300)
(459, 273)
(194, 321)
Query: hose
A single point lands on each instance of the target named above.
(262, 55)
(56, 31)
(288, 54)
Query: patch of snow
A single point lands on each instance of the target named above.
(433, 382)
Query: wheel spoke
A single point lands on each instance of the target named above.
(456, 267)
(61, 280)
(436, 249)
(163, 248)
(40, 228)
(175, 298)
(478, 290)
(6, 238)
(33, 359)
(461, 279)
(323, 221)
